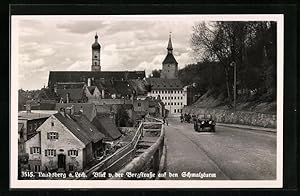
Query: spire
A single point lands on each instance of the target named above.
(170, 48)
(96, 37)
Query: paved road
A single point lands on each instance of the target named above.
(230, 153)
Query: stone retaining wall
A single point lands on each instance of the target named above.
(239, 117)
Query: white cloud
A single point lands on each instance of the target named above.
(65, 44)
(46, 52)
(78, 66)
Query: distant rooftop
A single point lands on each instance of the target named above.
(163, 83)
(38, 114)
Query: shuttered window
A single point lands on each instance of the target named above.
(52, 135)
(50, 152)
(72, 153)
(35, 150)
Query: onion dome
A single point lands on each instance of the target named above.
(96, 45)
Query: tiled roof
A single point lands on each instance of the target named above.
(163, 83)
(106, 125)
(80, 126)
(75, 94)
(139, 86)
(91, 89)
(119, 87)
(23, 115)
(169, 59)
(82, 76)
(86, 107)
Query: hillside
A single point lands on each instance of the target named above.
(208, 100)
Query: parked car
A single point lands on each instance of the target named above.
(205, 122)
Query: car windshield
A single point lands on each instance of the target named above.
(201, 116)
(204, 116)
(208, 116)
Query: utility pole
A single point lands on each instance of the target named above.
(233, 64)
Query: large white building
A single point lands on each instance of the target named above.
(168, 87)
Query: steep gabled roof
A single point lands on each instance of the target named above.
(80, 127)
(75, 94)
(169, 59)
(91, 89)
(106, 125)
(88, 108)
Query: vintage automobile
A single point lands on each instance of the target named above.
(205, 122)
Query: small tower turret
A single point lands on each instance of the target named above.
(169, 65)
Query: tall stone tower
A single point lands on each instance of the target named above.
(169, 65)
(96, 55)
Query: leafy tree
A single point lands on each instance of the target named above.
(123, 119)
(251, 45)
(155, 73)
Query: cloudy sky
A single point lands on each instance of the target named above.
(128, 43)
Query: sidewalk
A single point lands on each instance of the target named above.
(248, 127)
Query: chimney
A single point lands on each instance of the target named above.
(72, 110)
(68, 97)
(62, 111)
(102, 94)
(28, 108)
(81, 110)
(89, 81)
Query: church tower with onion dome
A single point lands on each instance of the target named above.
(169, 65)
(96, 55)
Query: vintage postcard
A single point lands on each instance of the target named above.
(146, 101)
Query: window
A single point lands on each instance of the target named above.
(71, 168)
(50, 152)
(171, 92)
(174, 103)
(37, 168)
(21, 134)
(35, 150)
(171, 103)
(95, 56)
(171, 97)
(52, 135)
(52, 124)
(139, 104)
(174, 110)
(174, 97)
(73, 153)
(181, 103)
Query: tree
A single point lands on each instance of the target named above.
(123, 119)
(251, 45)
(155, 73)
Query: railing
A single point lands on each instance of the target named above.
(154, 156)
(118, 159)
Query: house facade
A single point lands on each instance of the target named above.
(28, 123)
(64, 142)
